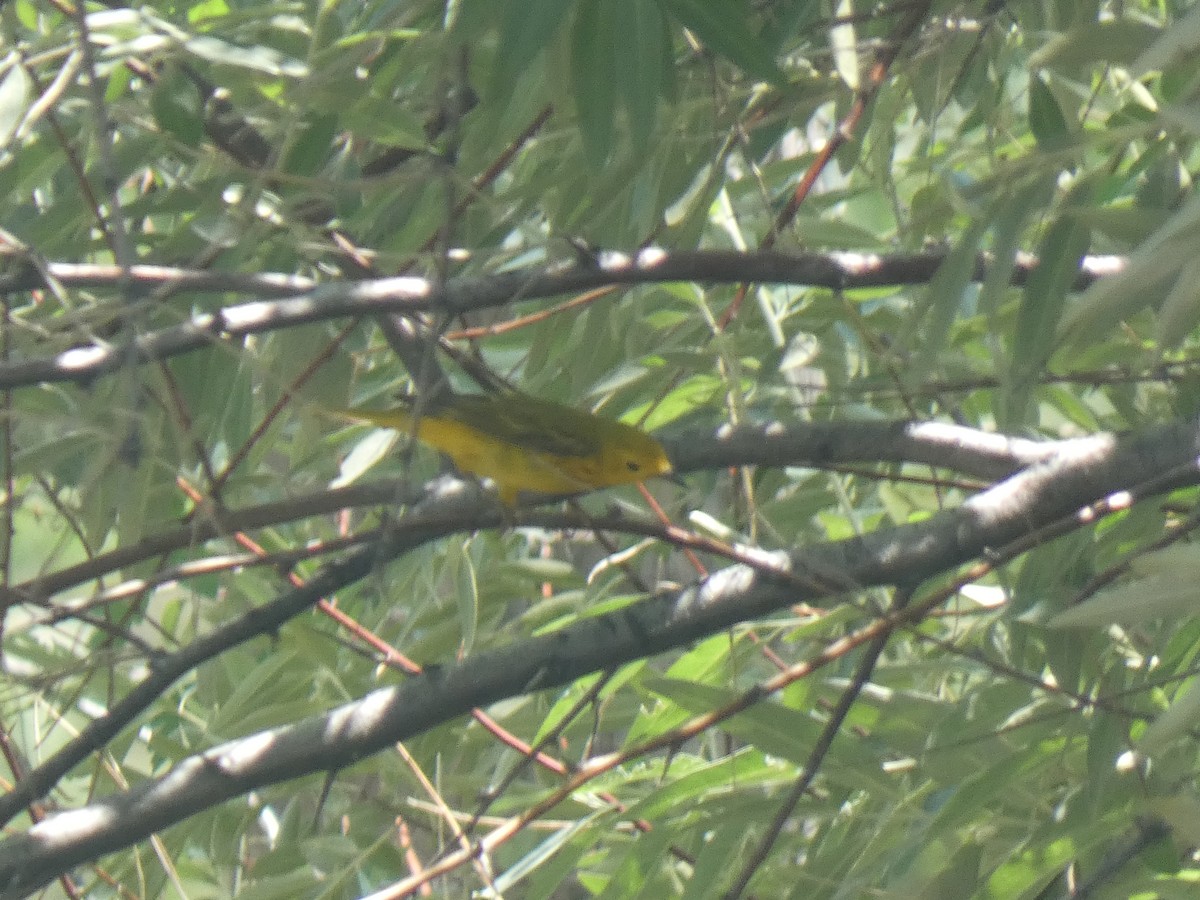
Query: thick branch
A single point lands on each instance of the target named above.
(839, 271)
(820, 444)
(1084, 472)
(813, 444)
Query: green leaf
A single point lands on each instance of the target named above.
(257, 58)
(1046, 119)
(29, 14)
(465, 585)
(942, 299)
(256, 692)
(207, 9)
(1180, 718)
(1180, 311)
(312, 146)
(1183, 37)
(16, 90)
(375, 446)
(1103, 42)
(593, 77)
(386, 121)
(1181, 812)
(177, 110)
(525, 31)
(769, 726)
(1112, 300)
(721, 25)
(639, 64)
(1042, 308)
(1143, 600)
(542, 854)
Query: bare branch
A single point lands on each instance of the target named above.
(410, 294)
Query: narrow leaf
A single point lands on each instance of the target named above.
(1180, 717)
(1042, 308)
(527, 28)
(1180, 311)
(721, 25)
(1130, 603)
(15, 93)
(592, 41)
(1046, 119)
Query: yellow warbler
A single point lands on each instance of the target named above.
(526, 444)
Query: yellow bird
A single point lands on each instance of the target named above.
(525, 444)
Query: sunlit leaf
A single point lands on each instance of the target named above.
(15, 93)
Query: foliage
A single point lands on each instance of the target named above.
(1015, 728)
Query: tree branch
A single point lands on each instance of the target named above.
(1081, 473)
(409, 294)
(813, 444)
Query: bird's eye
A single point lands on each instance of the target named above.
(633, 465)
